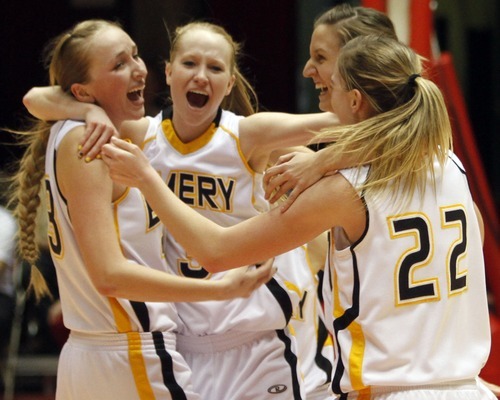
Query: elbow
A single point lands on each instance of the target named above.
(27, 99)
(213, 261)
(106, 285)
(29, 102)
(106, 288)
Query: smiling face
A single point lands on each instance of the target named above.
(199, 76)
(323, 52)
(117, 76)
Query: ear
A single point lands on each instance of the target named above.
(230, 85)
(168, 72)
(81, 93)
(356, 100)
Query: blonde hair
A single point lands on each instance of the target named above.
(411, 127)
(68, 59)
(351, 22)
(243, 99)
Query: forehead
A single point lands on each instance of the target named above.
(108, 44)
(325, 39)
(204, 42)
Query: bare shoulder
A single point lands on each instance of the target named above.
(135, 130)
(73, 173)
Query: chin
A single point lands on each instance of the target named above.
(324, 107)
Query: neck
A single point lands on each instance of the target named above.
(187, 130)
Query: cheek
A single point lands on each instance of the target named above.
(326, 72)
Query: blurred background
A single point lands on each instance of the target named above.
(275, 35)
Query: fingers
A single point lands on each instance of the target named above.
(274, 181)
(281, 190)
(126, 145)
(272, 172)
(96, 135)
(289, 201)
(278, 168)
(266, 271)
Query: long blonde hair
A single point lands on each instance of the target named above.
(411, 127)
(68, 59)
(243, 99)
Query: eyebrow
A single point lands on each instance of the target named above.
(119, 54)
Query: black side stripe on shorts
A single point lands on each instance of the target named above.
(282, 297)
(321, 361)
(291, 358)
(141, 311)
(167, 368)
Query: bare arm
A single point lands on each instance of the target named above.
(265, 132)
(257, 238)
(295, 172)
(50, 103)
(111, 273)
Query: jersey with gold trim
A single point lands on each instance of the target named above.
(211, 175)
(140, 232)
(407, 303)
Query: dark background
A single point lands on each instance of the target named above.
(275, 35)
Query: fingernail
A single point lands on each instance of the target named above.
(88, 159)
(80, 155)
(79, 147)
(98, 156)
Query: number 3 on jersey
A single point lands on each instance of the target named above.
(409, 290)
(53, 234)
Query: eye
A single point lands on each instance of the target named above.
(188, 63)
(318, 58)
(118, 65)
(216, 68)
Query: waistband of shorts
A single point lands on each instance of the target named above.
(464, 384)
(119, 340)
(220, 342)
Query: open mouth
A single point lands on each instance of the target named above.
(322, 88)
(197, 99)
(135, 95)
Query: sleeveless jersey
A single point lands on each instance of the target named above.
(140, 232)
(211, 175)
(407, 303)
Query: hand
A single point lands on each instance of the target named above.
(98, 132)
(126, 162)
(293, 173)
(241, 282)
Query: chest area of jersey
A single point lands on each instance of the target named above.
(214, 178)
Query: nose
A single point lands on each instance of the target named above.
(309, 69)
(201, 75)
(140, 71)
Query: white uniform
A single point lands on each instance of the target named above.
(240, 348)
(314, 342)
(118, 349)
(407, 302)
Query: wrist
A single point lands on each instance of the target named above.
(323, 162)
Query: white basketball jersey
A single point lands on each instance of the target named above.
(140, 231)
(211, 175)
(314, 343)
(406, 303)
